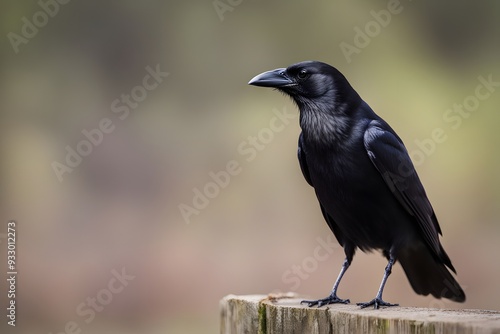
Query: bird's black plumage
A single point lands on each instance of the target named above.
(369, 192)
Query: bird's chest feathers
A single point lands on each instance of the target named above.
(323, 129)
(334, 167)
(339, 171)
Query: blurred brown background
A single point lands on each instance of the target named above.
(120, 208)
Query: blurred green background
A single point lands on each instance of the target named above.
(120, 208)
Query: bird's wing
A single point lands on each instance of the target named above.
(390, 157)
(301, 153)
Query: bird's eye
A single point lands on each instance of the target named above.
(302, 74)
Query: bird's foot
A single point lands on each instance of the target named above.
(331, 299)
(377, 302)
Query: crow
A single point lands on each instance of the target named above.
(368, 190)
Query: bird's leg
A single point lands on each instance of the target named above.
(332, 298)
(377, 302)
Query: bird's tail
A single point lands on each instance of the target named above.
(428, 275)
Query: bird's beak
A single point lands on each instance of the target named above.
(275, 78)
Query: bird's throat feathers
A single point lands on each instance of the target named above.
(320, 123)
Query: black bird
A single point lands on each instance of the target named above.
(368, 190)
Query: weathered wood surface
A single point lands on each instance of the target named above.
(283, 314)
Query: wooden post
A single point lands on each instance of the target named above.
(283, 314)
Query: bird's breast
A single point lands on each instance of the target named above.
(354, 194)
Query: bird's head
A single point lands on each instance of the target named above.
(308, 83)
(325, 98)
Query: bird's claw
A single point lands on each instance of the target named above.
(332, 299)
(377, 302)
